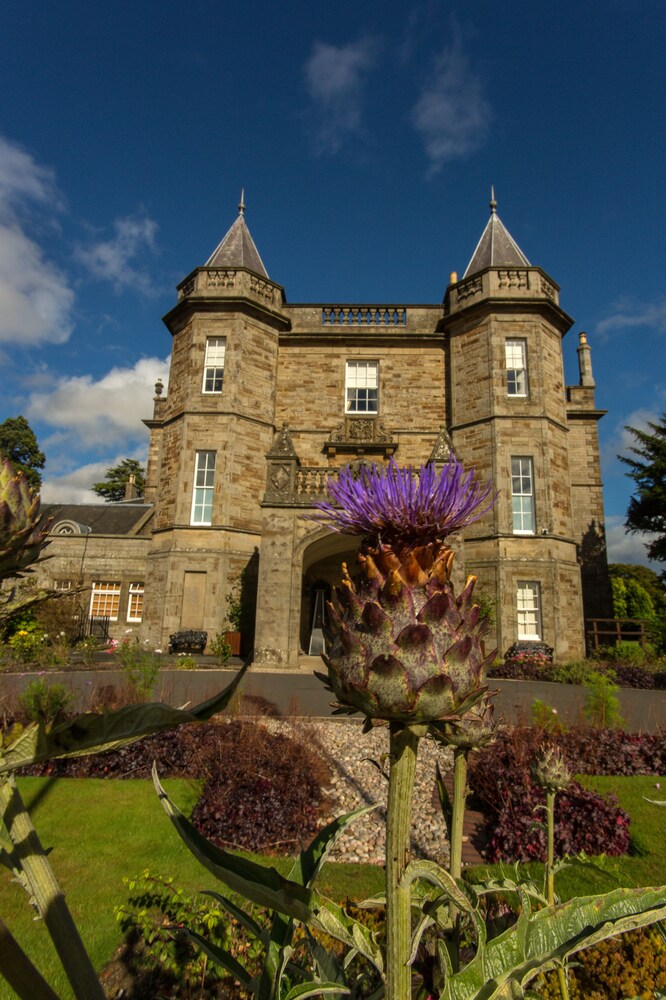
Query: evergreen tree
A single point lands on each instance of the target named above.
(647, 508)
(112, 488)
(19, 444)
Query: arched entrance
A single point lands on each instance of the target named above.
(321, 571)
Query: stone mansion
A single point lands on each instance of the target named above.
(267, 399)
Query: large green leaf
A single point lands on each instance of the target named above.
(239, 914)
(309, 861)
(91, 732)
(550, 936)
(304, 871)
(303, 990)
(333, 920)
(261, 885)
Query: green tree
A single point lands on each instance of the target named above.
(647, 578)
(619, 597)
(647, 508)
(112, 488)
(19, 444)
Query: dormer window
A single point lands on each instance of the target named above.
(216, 348)
(516, 367)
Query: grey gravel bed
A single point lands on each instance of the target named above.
(356, 781)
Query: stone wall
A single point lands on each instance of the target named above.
(82, 559)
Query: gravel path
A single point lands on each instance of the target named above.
(356, 781)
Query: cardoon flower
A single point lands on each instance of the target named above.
(398, 508)
(401, 645)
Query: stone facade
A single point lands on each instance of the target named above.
(263, 406)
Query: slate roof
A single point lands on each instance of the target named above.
(101, 518)
(497, 247)
(237, 249)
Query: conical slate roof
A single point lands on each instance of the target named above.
(237, 249)
(497, 247)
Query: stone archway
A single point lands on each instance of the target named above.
(321, 570)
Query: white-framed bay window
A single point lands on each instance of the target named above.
(515, 351)
(213, 377)
(522, 495)
(105, 599)
(362, 387)
(135, 602)
(528, 597)
(204, 486)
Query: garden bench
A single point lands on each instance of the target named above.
(188, 641)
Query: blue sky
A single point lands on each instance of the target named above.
(367, 137)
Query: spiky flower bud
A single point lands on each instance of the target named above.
(400, 645)
(475, 730)
(22, 536)
(549, 769)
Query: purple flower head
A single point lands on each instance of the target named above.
(400, 506)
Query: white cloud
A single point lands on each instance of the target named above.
(451, 115)
(74, 487)
(115, 259)
(624, 547)
(107, 412)
(22, 178)
(627, 315)
(35, 298)
(335, 76)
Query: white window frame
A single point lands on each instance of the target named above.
(204, 488)
(528, 608)
(105, 599)
(515, 356)
(135, 602)
(63, 585)
(362, 387)
(214, 361)
(523, 514)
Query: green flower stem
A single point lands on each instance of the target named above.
(48, 896)
(550, 876)
(458, 810)
(550, 848)
(19, 971)
(404, 743)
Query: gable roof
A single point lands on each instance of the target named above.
(497, 247)
(100, 518)
(237, 249)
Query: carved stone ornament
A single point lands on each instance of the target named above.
(280, 478)
(361, 434)
(443, 447)
(282, 445)
(360, 429)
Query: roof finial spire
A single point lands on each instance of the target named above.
(241, 206)
(493, 203)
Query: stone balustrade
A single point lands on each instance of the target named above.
(363, 316)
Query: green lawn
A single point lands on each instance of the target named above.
(102, 830)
